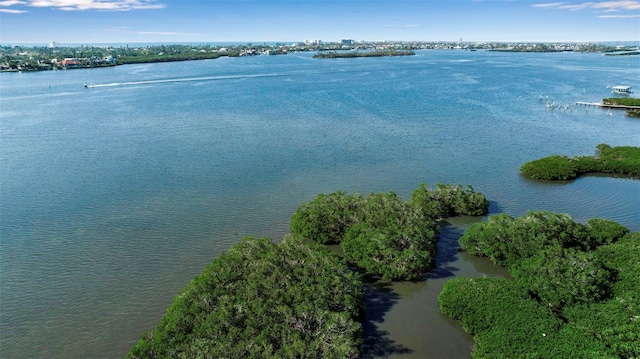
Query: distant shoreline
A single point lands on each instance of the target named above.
(41, 58)
(351, 54)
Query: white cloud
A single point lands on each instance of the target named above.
(80, 5)
(618, 5)
(11, 11)
(619, 16)
(12, 3)
(606, 6)
(549, 5)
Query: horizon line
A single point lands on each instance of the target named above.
(9, 43)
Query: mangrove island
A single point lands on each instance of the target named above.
(574, 291)
(622, 160)
(297, 299)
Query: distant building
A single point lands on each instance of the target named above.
(54, 45)
(347, 42)
(71, 62)
(109, 59)
(313, 42)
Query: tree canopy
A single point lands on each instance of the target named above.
(623, 160)
(575, 290)
(505, 240)
(262, 300)
(382, 234)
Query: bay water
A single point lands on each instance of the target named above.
(113, 197)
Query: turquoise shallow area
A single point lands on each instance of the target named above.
(113, 197)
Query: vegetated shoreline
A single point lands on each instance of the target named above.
(633, 103)
(254, 300)
(622, 160)
(40, 58)
(621, 101)
(574, 290)
(298, 299)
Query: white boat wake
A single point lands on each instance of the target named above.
(184, 79)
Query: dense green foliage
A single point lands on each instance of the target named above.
(556, 167)
(393, 240)
(505, 240)
(261, 300)
(624, 160)
(560, 277)
(575, 290)
(616, 322)
(501, 315)
(327, 218)
(382, 234)
(626, 101)
(450, 200)
(162, 57)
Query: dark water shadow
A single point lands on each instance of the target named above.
(494, 208)
(547, 182)
(447, 254)
(578, 177)
(379, 299)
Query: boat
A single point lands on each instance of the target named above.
(621, 90)
(88, 85)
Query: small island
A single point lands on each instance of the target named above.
(373, 53)
(622, 160)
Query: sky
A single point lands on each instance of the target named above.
(214, 21)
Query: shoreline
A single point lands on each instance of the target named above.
(40, 58)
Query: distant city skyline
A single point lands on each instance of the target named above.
(173, 21)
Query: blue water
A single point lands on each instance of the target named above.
(113, 197)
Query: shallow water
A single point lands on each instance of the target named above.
(112, 198)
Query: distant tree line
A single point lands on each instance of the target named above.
(44, 58)
(161, 57)
(623, 160)
(554, 47)
(575, 290)
(370, 53)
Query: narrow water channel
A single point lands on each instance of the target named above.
(403, 318)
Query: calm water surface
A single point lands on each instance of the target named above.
(113, 198)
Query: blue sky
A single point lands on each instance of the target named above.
(173, 21)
